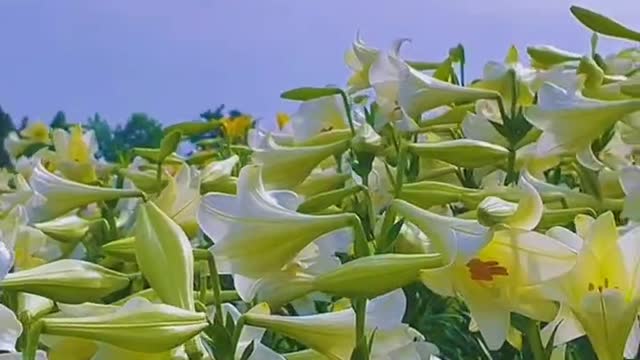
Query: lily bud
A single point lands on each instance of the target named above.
(137, 326)
(493, 211)
(67, 229)
(33, 306)
(64, 195)
(462, 152)
(545, 56)
(165, 256)
(560, 115)
(373, 276)
(122, 248)
(68, 281)
(287, 166)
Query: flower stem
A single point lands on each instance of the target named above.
(215, 286)
(532, 332)
(362, 347)
(402, 164)
(32, 341)
(347, 109)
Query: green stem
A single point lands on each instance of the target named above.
(532, 332)
(512, 175)
(107, 214)
(514, 92)
(461, 72)
(32, 341)
(402, 164)
(360, 308)
(347, 109)
(215, 286)
(159, 176)
(387, 223)
(503, 112)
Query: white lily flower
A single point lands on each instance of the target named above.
(180, 199)
(10, 329)
(293, 283)
(572, 197)
(498, 76)
(332, 334)
(287, 166)
(25, 165)
(218, 170)
(22, 196)
(64, 195)
(477, 126)
(318, 115)
(623, 62)
(248, 228)
(570, 122)
(397, 84)
(630, 182)
(600, 296)
(492, 269)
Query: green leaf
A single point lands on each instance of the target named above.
(193, 128)
(424, 65)
(603, 25)
(153, 155)
(456, 54)
(595, 75)
(444, 71)
(324, 200)
(169, 144)
(309, 93)
(201, 157)
(246, 354)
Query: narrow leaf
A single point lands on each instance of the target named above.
(603, 25)
(309, 93)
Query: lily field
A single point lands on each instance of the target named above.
(412, 214)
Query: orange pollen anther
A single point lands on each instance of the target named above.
(485, 270)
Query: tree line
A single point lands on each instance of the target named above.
(140, 130)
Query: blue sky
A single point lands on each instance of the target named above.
(174, 59)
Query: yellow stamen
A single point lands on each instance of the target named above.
(282, 119)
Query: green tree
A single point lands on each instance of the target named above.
(104, 136)
(6, 127)
(59, 121)
(141, 130)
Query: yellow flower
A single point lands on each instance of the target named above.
(282, 119)
(38, 132)
(237, 127)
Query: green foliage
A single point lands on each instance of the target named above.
(59, 121)
(6, 126)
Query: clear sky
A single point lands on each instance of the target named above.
(174, 59)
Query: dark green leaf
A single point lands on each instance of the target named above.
(248, 351)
